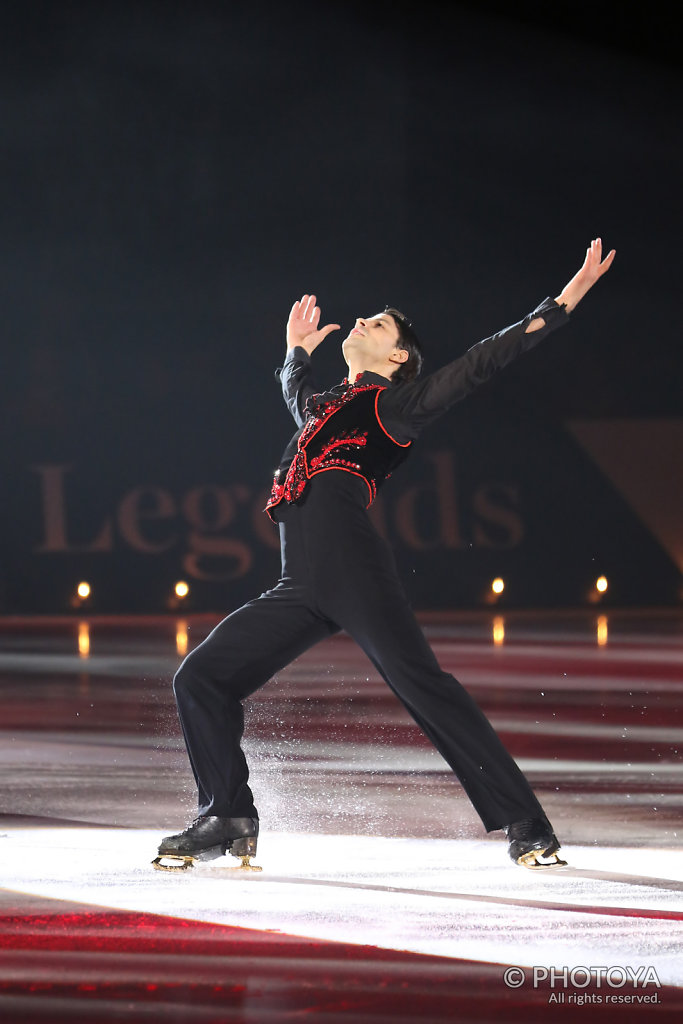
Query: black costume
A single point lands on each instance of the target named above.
(338, 573)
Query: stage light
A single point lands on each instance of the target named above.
(602, 631)
(83, 590)
(181, 589)
(498, 630)
(181, 637)
(601, 584)
(83, 639)
(498, 585)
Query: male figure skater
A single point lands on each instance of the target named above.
(338, 573)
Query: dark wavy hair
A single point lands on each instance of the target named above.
(410, 343)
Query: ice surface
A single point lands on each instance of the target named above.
(453, 898)
(366, 836)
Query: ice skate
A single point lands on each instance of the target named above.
(207, 838)
(531, 841)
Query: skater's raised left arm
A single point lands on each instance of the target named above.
(410, 407)
(592, 270)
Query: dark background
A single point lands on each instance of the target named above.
(176, 174)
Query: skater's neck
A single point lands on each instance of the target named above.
(358, 367)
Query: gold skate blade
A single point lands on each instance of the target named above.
(245, 865)
(180, 863)
(530, 860)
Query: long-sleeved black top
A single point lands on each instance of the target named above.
(406, 408)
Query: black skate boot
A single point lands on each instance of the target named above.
(207, 838)
(531, 839)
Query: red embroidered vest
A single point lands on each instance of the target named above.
(346, 434)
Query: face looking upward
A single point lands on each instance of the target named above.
(373, 344)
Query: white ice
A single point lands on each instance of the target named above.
(452, 898)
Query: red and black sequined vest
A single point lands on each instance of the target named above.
(346, 434)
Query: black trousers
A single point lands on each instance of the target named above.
(337, 573)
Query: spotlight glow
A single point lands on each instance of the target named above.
(83, 590)
(181, 589)
(602, 631)
(498, 630)
(601, 584)
(181, 637)
(498, 585)
(83, 639)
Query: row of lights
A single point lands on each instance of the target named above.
(498, 587)
(181, 590)
(182, 635)
(498, 631)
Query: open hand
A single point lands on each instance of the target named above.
(592, 270)
(594, 266)
(302, 326)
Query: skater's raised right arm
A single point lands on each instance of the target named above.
(303, 337)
